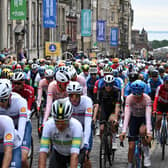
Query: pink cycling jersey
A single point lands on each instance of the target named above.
(82, 82)
(43, 85)
(54, 93)
(142, 108)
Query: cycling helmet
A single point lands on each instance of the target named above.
(154, 73)
(133, 76)
(62, 74)
(74, 87)
(16, 66)
(120, 69)
(85, 67)
(137, 87)
(30, 62)
(18, 76)
(42, 61)
(41, 70)
(2, 57)
(109, 79)
(49, 73)
(93, 70)
(34, 66)
(5, 73)
(5, 88)
(72, 71)
(161, 69)
(115, 73)
(107, 69)
(61, 109)
(165, 78)
(115, 60)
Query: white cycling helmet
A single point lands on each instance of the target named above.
(62, 74)
(61, 109)
(49, 73)
(109, 78)
(93, 70)
(5, 88)
(74, 87)
(72, 71)
(34, 66)
(18, 76)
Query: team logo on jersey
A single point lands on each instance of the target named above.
(23, 109)
(8, 136)
(89, 110)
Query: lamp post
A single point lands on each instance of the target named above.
(38, 23)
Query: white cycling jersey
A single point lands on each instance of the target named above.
(66, 142)
(17, 110)
(83, 113)
(8, 134)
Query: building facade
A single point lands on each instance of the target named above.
(31, 36)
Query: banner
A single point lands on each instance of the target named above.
(52, 49)
(86, 23)
(18, 10)
(101, 30)
(114, 36)
(49, 13)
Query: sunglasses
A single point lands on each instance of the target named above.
(61, 122)
(49, 78)
(3, 100)
(108, 84)
(74, 95)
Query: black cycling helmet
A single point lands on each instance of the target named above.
(161, 69)
(133, 76)
(154, 73)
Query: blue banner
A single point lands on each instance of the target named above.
(114, 33)
(49, 13)
(101, 30)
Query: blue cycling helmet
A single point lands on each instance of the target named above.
(165, 78)
(115, 73)
(137, 87)
(41, 71)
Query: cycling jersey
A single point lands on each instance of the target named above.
(141, 108)
(54, 93)
(83, 113)
(82, 82)
(27, 92)
(66, 142)
(17, 110)
(8, 135)
(161, 99)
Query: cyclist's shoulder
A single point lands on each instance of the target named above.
(86, 99)
(75, 125)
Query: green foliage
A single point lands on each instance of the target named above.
(158, 44)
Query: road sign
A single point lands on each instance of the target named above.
(52, 49)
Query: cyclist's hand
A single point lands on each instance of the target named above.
(149, 138)
(154, 113)
(122, 136)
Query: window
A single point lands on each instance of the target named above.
(33, 12)
(112, 16)
(33, 36)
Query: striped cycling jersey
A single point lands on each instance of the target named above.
(66, 142)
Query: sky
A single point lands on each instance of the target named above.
(150, 14)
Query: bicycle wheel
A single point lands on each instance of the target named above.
(103, 153)
(30, 154)
(110, 151)
(163, 141)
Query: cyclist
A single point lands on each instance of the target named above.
(19, 86)
(108, 98)
(15, 106)
(160, 104)
(138, 115)
(85, 71)
(10, 151)
(82, 110)
(57, 88)
(66, 135)
(43, 86)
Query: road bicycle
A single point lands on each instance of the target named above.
(30, 154)
(106, 156)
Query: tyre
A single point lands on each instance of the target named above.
(103, 154)
(40, 122)
(163, 141)
(110, 151)
(30, 154)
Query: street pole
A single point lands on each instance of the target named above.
(38, 55)
(82, 39)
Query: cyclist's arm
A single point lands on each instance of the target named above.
(40, 92)
(156, 99)
(88, 120)
(49, 103)
(117, 105)
(42, 160)
(127, 115)
(7, 156)
(74, 160)
(31, 98)
(22, 118)
(148, 115)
